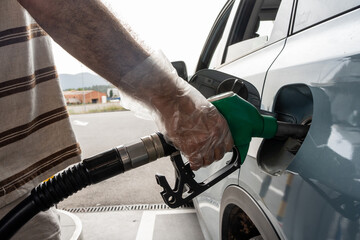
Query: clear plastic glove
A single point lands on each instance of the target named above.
(198, 130)
(186, 118)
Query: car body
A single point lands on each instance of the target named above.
(303, 59)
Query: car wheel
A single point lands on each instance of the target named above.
(242, 218)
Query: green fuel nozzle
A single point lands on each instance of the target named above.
(245, 122)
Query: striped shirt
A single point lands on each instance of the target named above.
(36, 138)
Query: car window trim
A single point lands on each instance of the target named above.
(242, 19)
(293, 32)
(215, 36)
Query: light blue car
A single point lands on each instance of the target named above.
(300, 60)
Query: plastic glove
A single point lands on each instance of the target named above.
(198, 130)
(186, 118)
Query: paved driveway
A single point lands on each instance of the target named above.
(101, 131)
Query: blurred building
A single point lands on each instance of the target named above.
(87, 96)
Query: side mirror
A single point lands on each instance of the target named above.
(181, 70)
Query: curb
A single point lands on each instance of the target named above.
(71, 226)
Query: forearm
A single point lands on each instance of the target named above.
(89, 32)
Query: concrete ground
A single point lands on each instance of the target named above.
(128, 206)
(102, 131)
(175, 224)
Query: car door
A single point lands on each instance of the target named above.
(252, 36)
(316, 80)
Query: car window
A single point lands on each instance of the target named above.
(214, 37)
(252, 27)
(310, 12)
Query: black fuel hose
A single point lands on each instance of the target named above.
(89, 171)
(98, 168)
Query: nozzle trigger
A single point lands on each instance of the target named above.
(186, 188)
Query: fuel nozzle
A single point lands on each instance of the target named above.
(146, 150)
(246, 122)
(297, 131)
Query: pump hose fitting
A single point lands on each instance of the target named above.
(90, 171)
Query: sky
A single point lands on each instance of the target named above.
(178, 28)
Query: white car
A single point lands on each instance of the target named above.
(300, 62)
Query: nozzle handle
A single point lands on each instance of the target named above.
(244, 121)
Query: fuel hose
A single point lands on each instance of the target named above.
(90, 171)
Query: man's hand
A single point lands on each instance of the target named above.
(187, 119)
(199, 131)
